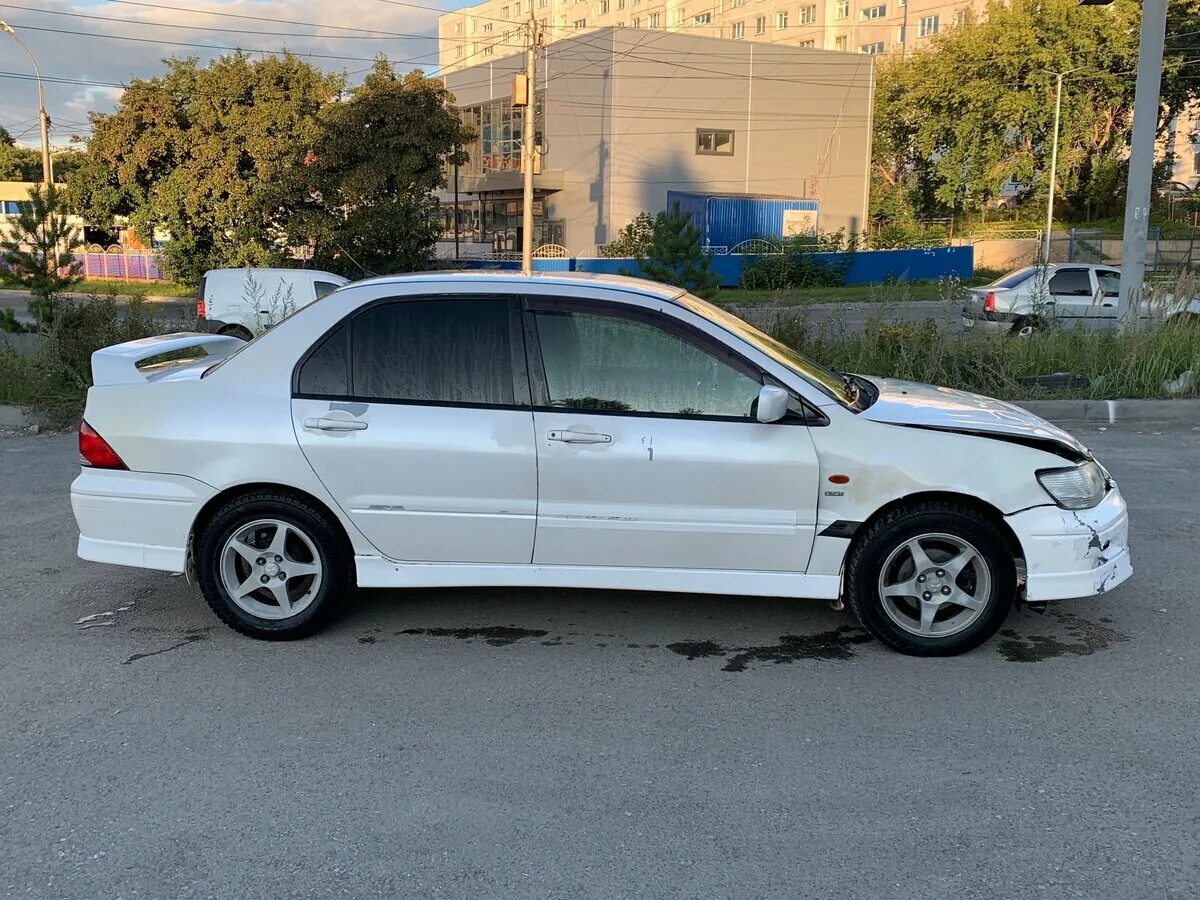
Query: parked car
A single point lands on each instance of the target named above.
(1176, 190)
(576, 431)
(1059, 294)
(245, 302)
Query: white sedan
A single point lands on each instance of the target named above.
(449, 429)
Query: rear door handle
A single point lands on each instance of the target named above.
(579, 437)
(325, 424)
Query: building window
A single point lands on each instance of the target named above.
(760, 25)
(781, 20)
(604, 7)
(739, 31)
(874, 12)
(637, 22)
(808, 14)
(580, 23)
(677, 17)
(458, 52)
(843, 9)
(542, 4)
(927, 26)
(458, 27)
(702, 19)
(620, 4)
(498, 127)
(655, 20)
(960, 18)
(807, 45)
(840, 43)
(900, 34)
(871, 49)
(487, 27)
(1196, 164)
(714, 142)
(487, 51)
(736, 3)
(504, 12)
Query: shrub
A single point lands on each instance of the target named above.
(676, 257)
(633, 240)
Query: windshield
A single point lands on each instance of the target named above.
(1012, 279)
(814, 373)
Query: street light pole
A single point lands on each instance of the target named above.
(1141, 159)
(1054, 158)
(43, 119)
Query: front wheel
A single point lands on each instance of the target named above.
(272, 566)
(935, 579)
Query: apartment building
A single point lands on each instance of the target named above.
(625, 115)
(474, 34)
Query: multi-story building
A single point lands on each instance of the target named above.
(625, 115)
(476, 33)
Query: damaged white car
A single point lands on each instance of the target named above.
(449, 429)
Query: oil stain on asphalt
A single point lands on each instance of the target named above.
(835, 644)
(1077, 637)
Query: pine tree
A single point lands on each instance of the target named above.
(676, 257)
(38, 250)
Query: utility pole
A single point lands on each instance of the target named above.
(1141, 160)
(1054, 159)
(528, 151)
(43, 119)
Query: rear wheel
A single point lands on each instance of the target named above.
(237, 331)
(1027, 327)
(272, 566)
(934, 579)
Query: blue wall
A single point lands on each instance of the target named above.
(865, 266)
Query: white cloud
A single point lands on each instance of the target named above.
(91, 57)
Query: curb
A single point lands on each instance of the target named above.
(1116, 412)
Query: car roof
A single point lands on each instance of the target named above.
(503, 276)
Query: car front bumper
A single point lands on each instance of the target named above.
(136, 518)
(1074, 553)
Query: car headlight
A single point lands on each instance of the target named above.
(1078, 487)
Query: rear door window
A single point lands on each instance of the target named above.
(1110, 282)
(446, 351)
(1071, 283)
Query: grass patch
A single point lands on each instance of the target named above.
(105, 288)
(898, 291)
(1117, 366)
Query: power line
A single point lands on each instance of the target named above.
(376, 36)
(51, 79)
(271, 19)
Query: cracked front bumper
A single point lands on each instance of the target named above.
(1074, 553)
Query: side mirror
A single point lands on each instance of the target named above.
(772, 403)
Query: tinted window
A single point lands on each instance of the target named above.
(1012, 279)
(327, 371)
(608, 362)
(1110, 283)
(447, 351)
(324, 287)
(1072, 282)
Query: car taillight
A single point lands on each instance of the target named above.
(989, 302)
(200, 309)
(94, 450)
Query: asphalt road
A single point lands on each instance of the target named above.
(472, 743)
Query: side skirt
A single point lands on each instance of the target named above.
(376, 572)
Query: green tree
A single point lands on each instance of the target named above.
(975, 106)
(675, 255)
(364, 197)
(198, 153)
(18, 163)
(633, 240)
(38, 253)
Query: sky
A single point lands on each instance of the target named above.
(89, 51)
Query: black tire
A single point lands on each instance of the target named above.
(332, 553)
(1027, 325)
(237, 331)
(890, 532)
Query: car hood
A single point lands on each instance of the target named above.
(925, 406)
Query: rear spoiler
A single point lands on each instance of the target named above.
(118, 364)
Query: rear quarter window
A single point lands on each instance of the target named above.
(324, 287)
(1013, 279)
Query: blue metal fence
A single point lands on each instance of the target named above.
(862, 267)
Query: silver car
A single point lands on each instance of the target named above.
(1036, 297)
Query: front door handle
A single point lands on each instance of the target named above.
(325, 424)
(579, 437)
